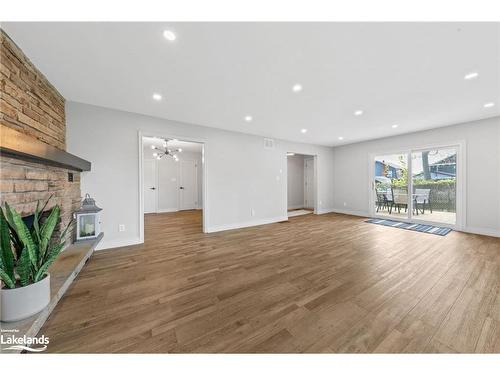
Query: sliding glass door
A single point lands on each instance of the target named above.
(416, 185)
(434, 185)
(391, 186)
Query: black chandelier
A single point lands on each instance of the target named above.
(166, 151)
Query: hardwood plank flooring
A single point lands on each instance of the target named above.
(328, 283)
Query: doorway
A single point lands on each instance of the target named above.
(301, 184)
(424, 185)
(172, 178)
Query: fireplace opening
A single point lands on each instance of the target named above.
(29, 220)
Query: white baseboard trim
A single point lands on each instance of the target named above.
(246, 224)
(483, 231)
(105, 245)
(295, 207)
(350, 212)
(163, 210)
(322, 211)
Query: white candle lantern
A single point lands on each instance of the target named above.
(88, 220)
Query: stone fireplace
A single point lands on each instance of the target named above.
(34, 164)
(23, 184)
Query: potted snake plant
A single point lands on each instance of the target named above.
(25, 256)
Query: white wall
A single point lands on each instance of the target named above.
(241, 174)
(483, 170)
(295, 181)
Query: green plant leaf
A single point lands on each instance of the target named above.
(47, 230)
(45, 204)
(9, 282)
(31, 252)
(62, 238)
(52, 255)
(18, 245)
(6, 254)
(38, 217)
(25, 237)
(36, 224)
(24, 268)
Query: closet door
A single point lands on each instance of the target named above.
(168, 185)
(150, 186)
(188, 185)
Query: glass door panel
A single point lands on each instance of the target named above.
(434, 175)
(391, 186)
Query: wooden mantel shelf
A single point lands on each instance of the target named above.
(62, 273)
(22, 146)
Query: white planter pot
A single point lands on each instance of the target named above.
(21, 303)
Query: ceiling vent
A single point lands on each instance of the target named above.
(268, 143)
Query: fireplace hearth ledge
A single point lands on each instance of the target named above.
(62, 273)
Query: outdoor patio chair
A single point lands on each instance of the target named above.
(422, 197)
(400, 198)
(383, 202)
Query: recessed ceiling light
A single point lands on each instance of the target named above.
(157, 97)
(341, 138)
(489, 105)
(359, 112)
(297, 88)
(169, 35)
(248, 118)
(395, 126)
(471, 75)
(303, 130)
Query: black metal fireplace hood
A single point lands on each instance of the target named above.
(22, 146)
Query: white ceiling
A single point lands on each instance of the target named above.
(214, 74)
(185, 146)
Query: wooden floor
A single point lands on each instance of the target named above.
(328, 283)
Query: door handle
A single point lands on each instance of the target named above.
(181, 187)
(153, 188)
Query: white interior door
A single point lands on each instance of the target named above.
(150, 186)
(188, 186)
(309, 183)
(168, 185)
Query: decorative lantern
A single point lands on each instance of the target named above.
(88, 221)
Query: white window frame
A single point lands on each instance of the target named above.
(461, 203)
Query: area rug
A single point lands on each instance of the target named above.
(424, 228)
